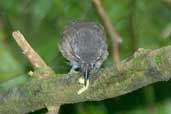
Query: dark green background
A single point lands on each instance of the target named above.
(139, 22)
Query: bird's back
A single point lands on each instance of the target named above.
(84, 40)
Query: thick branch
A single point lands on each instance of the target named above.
(146, 67)
(37, 62)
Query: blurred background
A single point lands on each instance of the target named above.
(140, 23)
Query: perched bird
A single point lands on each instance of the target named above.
(84, 45)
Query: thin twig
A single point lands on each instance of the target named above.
(131, 25)
(167, 31)
(32, 56)
(168, 2)
(28, 51)
(112, 32)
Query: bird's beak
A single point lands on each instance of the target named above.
(86, 72)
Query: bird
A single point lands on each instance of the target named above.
(83, 44)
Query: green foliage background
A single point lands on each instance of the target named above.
(139, 22)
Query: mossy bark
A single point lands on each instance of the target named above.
(144, 68)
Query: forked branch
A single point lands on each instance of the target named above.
(144, 68)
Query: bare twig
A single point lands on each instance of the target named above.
(32, 56)
(168, 2)
(167, 31)
(144, 68)
(112, 32)
(131, 25)
(28, 51)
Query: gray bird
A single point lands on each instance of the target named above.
(84, 45)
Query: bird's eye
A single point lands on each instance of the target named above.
(77, 69)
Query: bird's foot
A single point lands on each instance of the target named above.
(72, 71)
(74, 68)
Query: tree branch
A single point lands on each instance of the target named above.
(53, 109)
(144, 68)
(37, 62)
(28, 51)
(167, 31)
(132, 25)
(112, 32)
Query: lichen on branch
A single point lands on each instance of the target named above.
(144, 68)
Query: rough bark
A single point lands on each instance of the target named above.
(144, 68)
